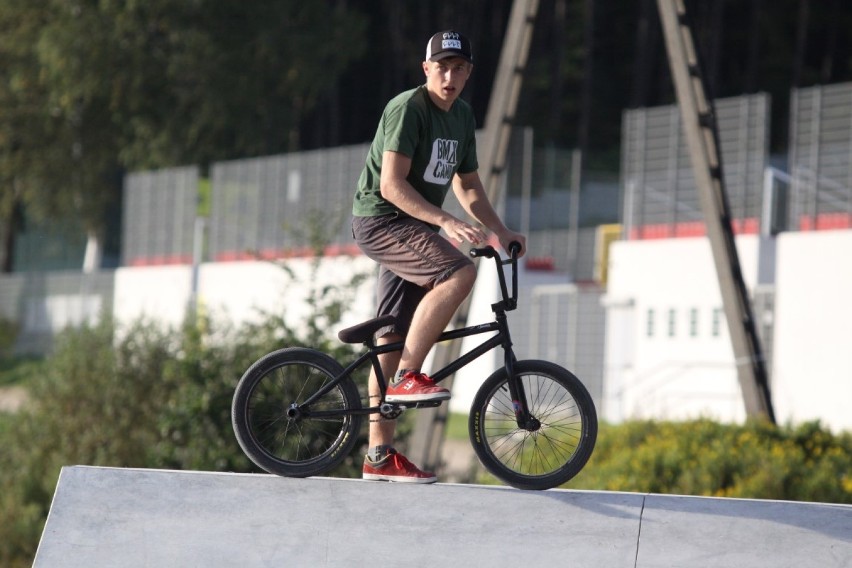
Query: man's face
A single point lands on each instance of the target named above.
(445, 79)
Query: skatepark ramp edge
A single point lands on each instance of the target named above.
(140, 518)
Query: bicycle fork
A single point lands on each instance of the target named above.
(517, 393)
(523, 417)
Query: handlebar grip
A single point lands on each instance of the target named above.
(514, 248)
(487, 252)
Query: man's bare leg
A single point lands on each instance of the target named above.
(382, 430)
(430, 319)
(433, 314)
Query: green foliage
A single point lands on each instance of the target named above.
(327, 302)
(140, 397)
(88, 89)
(177, 81)
(755, 460)
(457, 426)
(8, 334)
(143, 397)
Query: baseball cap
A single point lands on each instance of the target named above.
(448, 44)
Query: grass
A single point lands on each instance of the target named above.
(457, 426)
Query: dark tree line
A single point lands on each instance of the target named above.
(591, 59)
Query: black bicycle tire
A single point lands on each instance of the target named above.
(492, 399)
(263, 374)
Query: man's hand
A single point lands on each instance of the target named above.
(460, 231)
(508, 236)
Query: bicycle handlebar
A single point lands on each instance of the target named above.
(509, 302)
(489, 252)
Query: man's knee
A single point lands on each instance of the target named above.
(466, 276)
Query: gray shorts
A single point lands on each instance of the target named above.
(412, 258)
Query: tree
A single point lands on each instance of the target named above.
(24, 126)
(97, 88)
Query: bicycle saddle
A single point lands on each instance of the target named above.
(364, 331)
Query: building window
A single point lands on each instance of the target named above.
(649, 323)
(717, 322)
(672, 322)
(693, 322)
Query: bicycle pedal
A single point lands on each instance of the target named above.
(428, 404)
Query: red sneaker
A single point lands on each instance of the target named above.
(396, 467)
(415, 387)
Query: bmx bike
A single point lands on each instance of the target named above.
(297, 412)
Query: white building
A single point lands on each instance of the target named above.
(668, 353)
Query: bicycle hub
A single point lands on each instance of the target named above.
(293, 412)
(533, 424)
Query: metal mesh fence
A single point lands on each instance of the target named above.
(555, 245)
(267, 207)
(276, 206)
(160, 208)
(45, 303)
(661, 199)
(565, 324)
(821, 157)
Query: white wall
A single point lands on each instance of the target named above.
(239, 292)
(158, 293)
(486, 292)
(245, 291)
(467, 380)
(675, 374)
(661, 376)
(812, 367)
(686, 375)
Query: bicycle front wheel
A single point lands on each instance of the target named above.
(277, 431)
(557, 442)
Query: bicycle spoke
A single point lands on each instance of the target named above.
(274, 428)
(299, 438)
(555, 435)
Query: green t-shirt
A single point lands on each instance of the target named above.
(439, 144)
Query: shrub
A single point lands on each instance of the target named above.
(144, 397)
(8, 335)
(702, 457)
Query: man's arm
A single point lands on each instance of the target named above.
(471, 194)
(396, 189)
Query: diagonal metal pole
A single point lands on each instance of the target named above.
(699, 125)
(428, 436)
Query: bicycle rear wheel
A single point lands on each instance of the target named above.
(548, 452)
(281, 435)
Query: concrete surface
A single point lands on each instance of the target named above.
(143, 518)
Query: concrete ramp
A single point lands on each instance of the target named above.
(103, 517)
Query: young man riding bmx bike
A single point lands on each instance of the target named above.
(425, 143)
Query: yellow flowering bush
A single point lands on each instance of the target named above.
(757, 460)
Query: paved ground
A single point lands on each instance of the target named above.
(12, 398)
(140, 518)
(460, 464)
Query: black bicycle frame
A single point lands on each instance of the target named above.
(501, 339)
